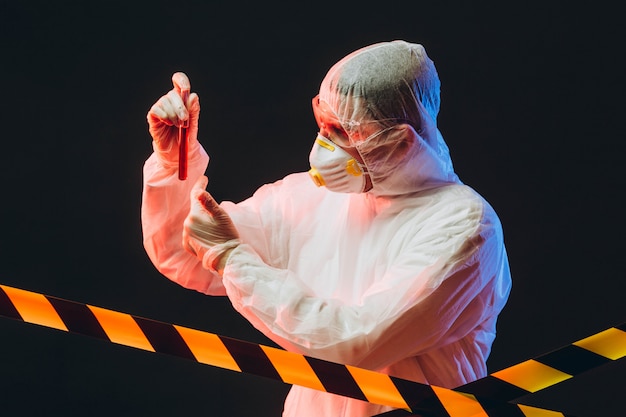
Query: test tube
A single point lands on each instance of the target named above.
(183, 141)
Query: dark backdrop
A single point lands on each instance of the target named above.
(532, 109)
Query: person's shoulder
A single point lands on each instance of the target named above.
(445, 195)
(461, 194)
(484, 213)
(447, 203)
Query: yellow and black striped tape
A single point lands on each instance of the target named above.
(486, 397)
(542, 372)
(552, 368)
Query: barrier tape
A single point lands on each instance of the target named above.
(548, 369)
(488, 396)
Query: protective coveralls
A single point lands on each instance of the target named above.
(407, 278)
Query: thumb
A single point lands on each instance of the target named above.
(222, 221)
(209, 203)
(181, 82)
(199, 193)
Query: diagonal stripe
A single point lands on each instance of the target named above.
(492, 387)
(531, 375)
(517, 410)
(610, 343)
(7, 308)
(293, 368)
(164, 338)
(502, 409)
(250, 358)
(377, 388)
(121, 328)
(336, 378)
(459, 405)
(538, 412)
(208, 348)
(34, 308)
(420, 398)
(78, 318)
(572, 360)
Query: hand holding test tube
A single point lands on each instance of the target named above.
(173, 124)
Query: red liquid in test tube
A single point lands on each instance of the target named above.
(183, 141)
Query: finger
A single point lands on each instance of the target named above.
(181, 82)
(167, 108)
(193, 104)
(170, 109)
(198, 189)
(155, 122)
(175, 107)
(157, 113)
(209, 203)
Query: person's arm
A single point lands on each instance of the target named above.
(165, 198)
(401, 316)
(165, 204)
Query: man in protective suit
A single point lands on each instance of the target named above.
(379, 257)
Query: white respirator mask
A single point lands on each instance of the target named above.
(334, 168)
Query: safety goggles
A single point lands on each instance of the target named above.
(345, 132)
(327, 120)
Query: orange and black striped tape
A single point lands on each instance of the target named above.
(486, 397)
(542, 372)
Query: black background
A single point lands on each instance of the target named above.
(532, 109)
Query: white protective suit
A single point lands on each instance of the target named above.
(406, 279)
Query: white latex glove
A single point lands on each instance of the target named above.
(208, 228)
(167, 114)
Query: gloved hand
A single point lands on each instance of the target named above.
(208, 226)
(167, 114)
